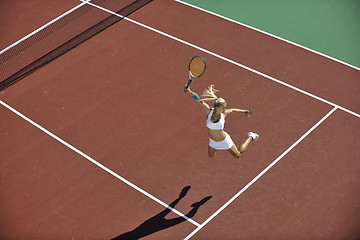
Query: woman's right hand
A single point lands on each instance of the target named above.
(189, 90)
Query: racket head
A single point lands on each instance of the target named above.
(197, 66)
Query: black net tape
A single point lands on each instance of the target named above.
(60, 37)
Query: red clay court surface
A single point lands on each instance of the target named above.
(117, 111)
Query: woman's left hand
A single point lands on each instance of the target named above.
(249, 111)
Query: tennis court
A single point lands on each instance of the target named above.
(103, 138)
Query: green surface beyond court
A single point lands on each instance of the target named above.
(331, 27)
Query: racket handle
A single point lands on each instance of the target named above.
(187, 85)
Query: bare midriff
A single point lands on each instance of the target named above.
(216, 135)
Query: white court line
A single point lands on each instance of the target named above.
(189, 44)
(96, 163)
(260, 174)
(46, 25)
(269, 34)
(228, 60)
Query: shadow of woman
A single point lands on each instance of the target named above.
(159, 222)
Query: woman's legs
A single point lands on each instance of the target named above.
(237, 152)
(245, 144)
(211, 152)
(234, 150)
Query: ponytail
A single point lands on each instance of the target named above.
(209, 95)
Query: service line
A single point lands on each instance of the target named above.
(260, 174)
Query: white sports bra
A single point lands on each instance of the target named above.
(215, 126)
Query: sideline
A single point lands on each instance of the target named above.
(227, 60)
(96, 163)
(269, 34)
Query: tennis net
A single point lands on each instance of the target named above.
(60, 37)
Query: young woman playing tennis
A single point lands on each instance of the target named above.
(218, 138)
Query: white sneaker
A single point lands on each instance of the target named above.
(254, 136)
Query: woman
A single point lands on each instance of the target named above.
(218, 138)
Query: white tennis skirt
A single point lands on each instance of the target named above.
(227, 143)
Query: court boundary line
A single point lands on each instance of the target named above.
(44, 26)
(269, 34)
(96, 163)
(226, 59)
(261, 173)
(186, 43)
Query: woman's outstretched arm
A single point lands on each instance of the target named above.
(236, 110)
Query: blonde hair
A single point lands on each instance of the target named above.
(209, 95)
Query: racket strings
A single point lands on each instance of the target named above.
(197, 66)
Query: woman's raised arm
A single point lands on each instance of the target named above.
(205, 106)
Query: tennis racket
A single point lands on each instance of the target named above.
(197, 68)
